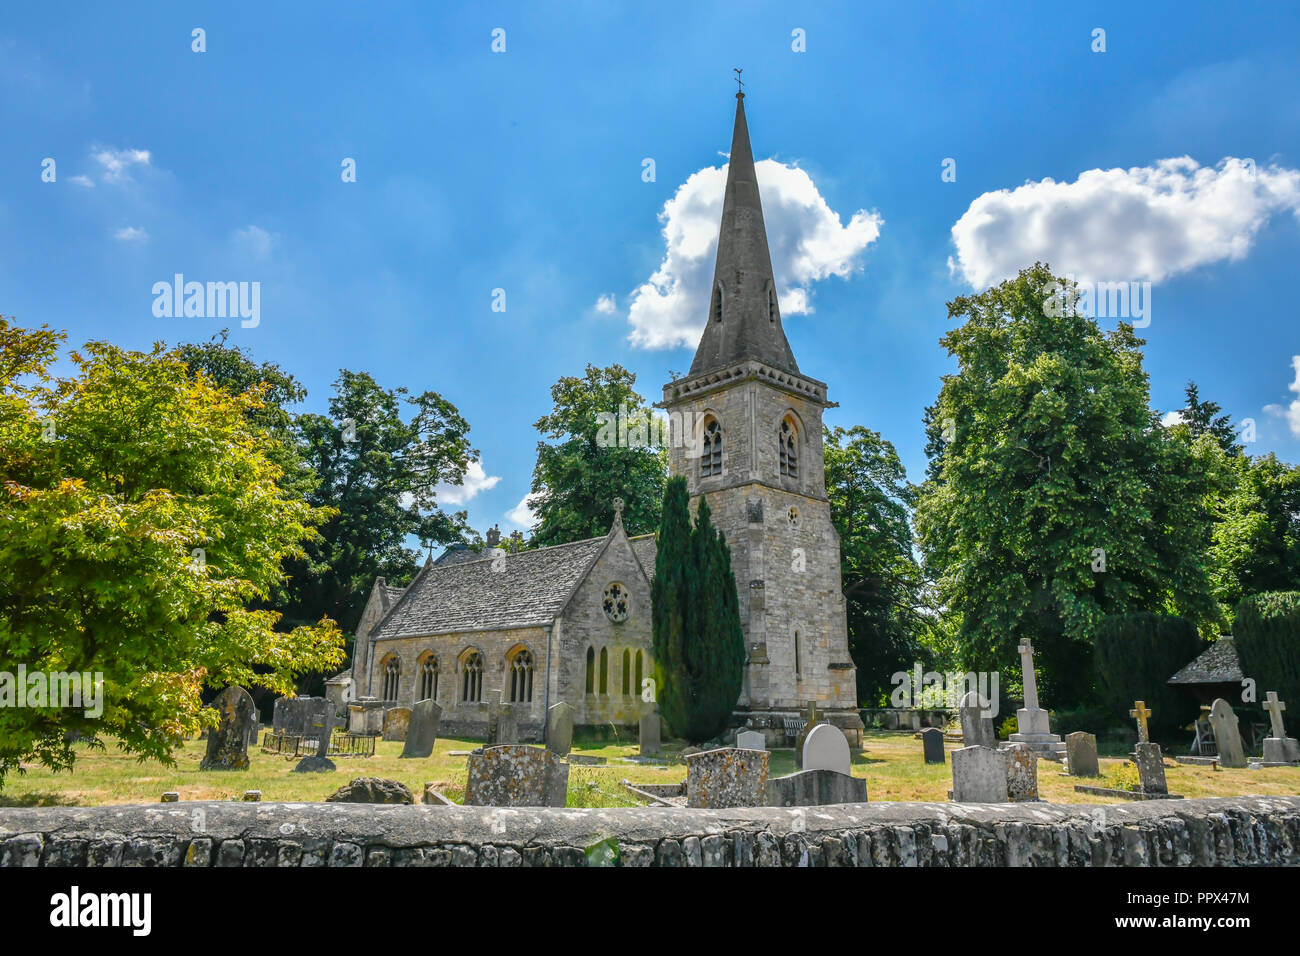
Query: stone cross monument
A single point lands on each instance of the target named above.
(1140, 713)
(1279, 748)
(1032, 722)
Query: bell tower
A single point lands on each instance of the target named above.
(752, 424)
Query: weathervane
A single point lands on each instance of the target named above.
(740, 87)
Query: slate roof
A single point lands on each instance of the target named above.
(457, 554)
(470, 596)
(1218, 664)
(645, 549)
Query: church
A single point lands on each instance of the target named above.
(572, 622)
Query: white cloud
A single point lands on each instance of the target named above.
(476, 480)
(117, 163)
(1291, 412)
(1144, 223)
(806, 238)
(605, 305)
(1170, 419)
(84, 181)
(522, 516)
(131, 234)
(256, 240)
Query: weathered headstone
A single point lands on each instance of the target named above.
(1022, 773)
(827, 749)
(515, 775)
(751, 740)
(228, 743)
(1278, 747)
(976, 726)
(1033, 725)
(372, 790)
(318, 726)
(1151, 768)
(397, 720)
(1140, 713)
(815, 788)
(932, 745)
(422, 733)
(810, 719)
(979, 775)
(650, 735)
(1081, 754)
(727, 777)
(1226, 735)
(366, 717)
(559, 728)
(503, 726)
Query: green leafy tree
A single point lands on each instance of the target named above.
(1256, 537)
(1203, 418)
(698, 641)
(870, 500)
(140, 519)
(1060, 497)
(379, 457)
(578, 476)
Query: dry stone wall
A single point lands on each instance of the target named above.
(1219, 832)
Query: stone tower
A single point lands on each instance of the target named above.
(753, 449)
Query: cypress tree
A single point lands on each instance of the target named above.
(699, 645)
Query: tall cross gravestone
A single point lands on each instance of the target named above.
(1032, 722)
(1279, 748)
(1140, 713)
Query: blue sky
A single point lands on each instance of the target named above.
(523, 171)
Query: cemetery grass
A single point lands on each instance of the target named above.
(891, 763)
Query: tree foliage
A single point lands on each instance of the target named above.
(699, 645)
(140, 519)
(1136, 654)
(578, 476)
(1267, 634)
(870, 500)
(1056, 464)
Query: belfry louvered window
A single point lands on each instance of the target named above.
(471, 687)
(789, 449)
(717, 304)
(711, 449)
(771, 305)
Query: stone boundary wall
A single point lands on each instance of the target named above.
(1219, 832)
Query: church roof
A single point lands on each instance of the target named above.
(529, 591)
(1218, 664)
(744, 321)
(645, 549)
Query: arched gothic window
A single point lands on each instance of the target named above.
(627, 673)
(788, 442)
(392, 675)
(591, 670)
(636, 688)
(604, 671)
(717, 304)
(711, 449)
(471, 685)
(521, 677)
(429, 677)
(798, 657)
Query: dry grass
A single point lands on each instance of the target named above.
(891, 763)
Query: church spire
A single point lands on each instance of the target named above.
(744, 320)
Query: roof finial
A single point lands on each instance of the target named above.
(740, 87)
(618, 512)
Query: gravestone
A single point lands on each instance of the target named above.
(1226, 735)
(932, 745)
(1033, 725)
(422, 733)
(810, 719)
(559, 728)
(228, 743)
(827, 749)
(397, 720)
(1151, 768)
(366, 717)
(649, 733)
(976, 726)
(1022, 773)
(751, 740)
(503, 725)
(1279, 748)
(727, 777)
(515, 775)
(253, 726)
(979, 775)
(1081, 754)
(1140, 713)
(815, 788)
(318, 725)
